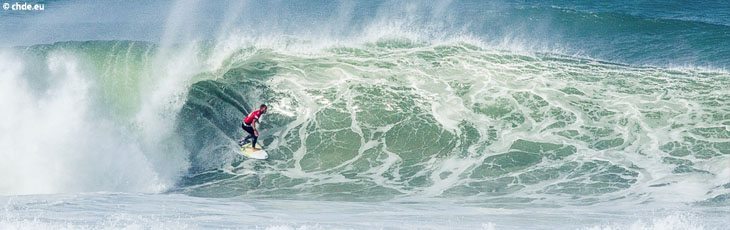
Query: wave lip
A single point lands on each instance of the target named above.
(637, 33)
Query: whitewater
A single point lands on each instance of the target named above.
(383, 115)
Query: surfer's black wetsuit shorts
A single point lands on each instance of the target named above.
(251, 135)
(248, 128)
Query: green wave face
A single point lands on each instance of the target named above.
(401, 119)
(119, 70)
(397, 118)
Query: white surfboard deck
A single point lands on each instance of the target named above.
(259, 153)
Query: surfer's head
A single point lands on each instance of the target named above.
(263, 108)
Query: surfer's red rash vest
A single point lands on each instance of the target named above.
(252, 116)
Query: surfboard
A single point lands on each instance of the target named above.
(259, 154)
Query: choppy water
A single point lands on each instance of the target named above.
(138, 211)
(383, 114)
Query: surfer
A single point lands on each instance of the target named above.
(249, 125)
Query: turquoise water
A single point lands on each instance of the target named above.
(458, 115)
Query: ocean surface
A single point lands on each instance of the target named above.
(383, 115)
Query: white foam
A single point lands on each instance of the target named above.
(53, 140)
(669, 222)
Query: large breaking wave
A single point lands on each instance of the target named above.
(389, 113)
(400, 118)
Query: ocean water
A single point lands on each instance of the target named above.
(383, 115)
